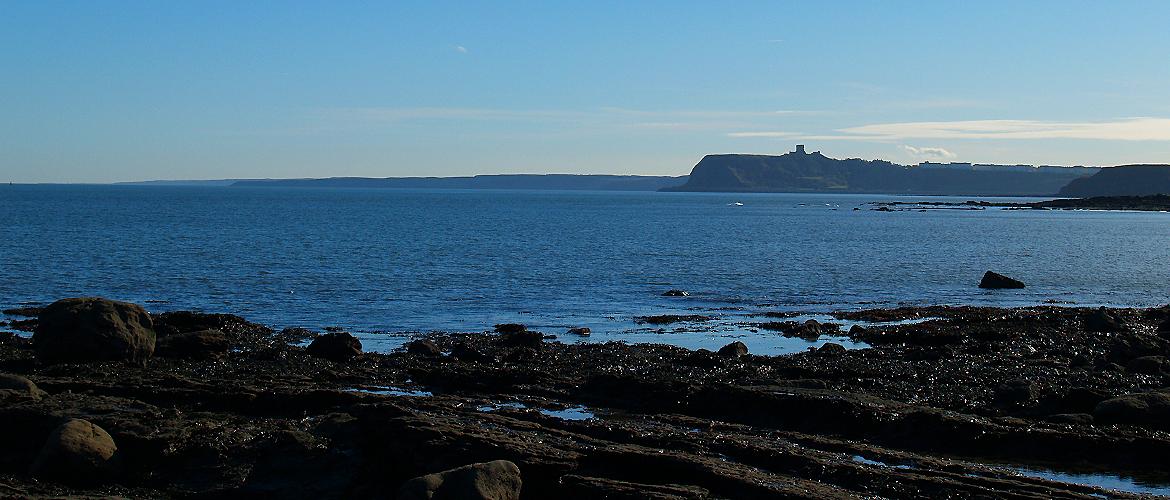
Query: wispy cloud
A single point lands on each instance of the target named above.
(929, 153)
(1128, 129)
(460, 49)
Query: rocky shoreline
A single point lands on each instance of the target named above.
(1150, 203)
(956, 405)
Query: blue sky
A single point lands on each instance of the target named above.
(109, 91)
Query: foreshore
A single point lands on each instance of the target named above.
(968, 402)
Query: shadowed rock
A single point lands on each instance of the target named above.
(78, 453)
(675, 293)
(1148, 408)
(15, 386)
(497, 480)
(733, 350)
(206, 344)
(580, 331)
(993, 280)
(423, 347)
(94, 329)
(1101, 321)
(335, 346)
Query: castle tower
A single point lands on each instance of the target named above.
(800, 149)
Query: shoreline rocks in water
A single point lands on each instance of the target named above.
(924, 413)
(994, 280)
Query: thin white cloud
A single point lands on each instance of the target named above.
(929, 153)
(460, 49)
(1128, 129)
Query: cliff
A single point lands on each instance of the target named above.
(814, 172)
(1124, 180)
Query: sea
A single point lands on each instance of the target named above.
(391, 264)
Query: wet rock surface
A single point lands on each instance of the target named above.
(913, 416)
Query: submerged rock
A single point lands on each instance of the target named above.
(78, 452)
(993, 280)
(94, 329)
(581, 331)
(335, 346)
(15, 386)
(734, 350)
(666, 319)
(497, 480)
(676, 293)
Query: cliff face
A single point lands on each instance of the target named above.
(1124, 180)
(799, 172)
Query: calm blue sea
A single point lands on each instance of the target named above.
(423, 260)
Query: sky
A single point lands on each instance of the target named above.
(120, 91)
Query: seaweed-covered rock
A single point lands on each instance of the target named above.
(94, 329)
(496, 480)
(580, 331)
(1101, 321)
(1148, 408)
(423, 347)
(206, 344)
(734, 350)
(335, 346)
(78, 452)
(510, 328)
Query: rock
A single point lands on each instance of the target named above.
(809, 330)
(1148, 408)
(423, 347)
(675, 293)
(523, 338)
(1126, 347)
(80, 453)
(832, 348)
(28, 312)
(1164, 328)
(206, 344)
(94, 329)
(734, 350)
(498, 480)
(857, 331)
(465, 352)
(335, 346)
(1101, 321)
(510, 328)
(1016, 393)
(582, 331)
(666, 319)
(15, 386)
(1148, 365)
(995, 280)
(1070, 418)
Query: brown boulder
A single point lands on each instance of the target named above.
(94, 329)
(78, 452)
(734, 350)
(497, 480)
(15, 386)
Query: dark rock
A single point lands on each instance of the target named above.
(294, 464)
(582, 331)
(1164, 328)
(1126, 347)
(523, 338)
(1070, 418)
(17, 387)
(995, 280)
(206, 344)
(857, 331)
(1101, 321)
(1082, 399)
(335, 346)
(1148, 365)
(832, 349)
(666, 319)
(80, 453)
(675, 293)
(423, 347)
(94, 329)
(809, 330)
(1016, 393)
(733, 350)
(28, 312)
(1148, 409)
(497, 480)
(466, 352)
(703, 358)
(170, 323)
(510, 328)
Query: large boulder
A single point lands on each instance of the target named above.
(497, 480)
(335, 346)
(78, 452)
(1147, 408)
(993, 280)
(94, 329)
(206, 344)
(1100, 320)
(734, 350)
(17, 387)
